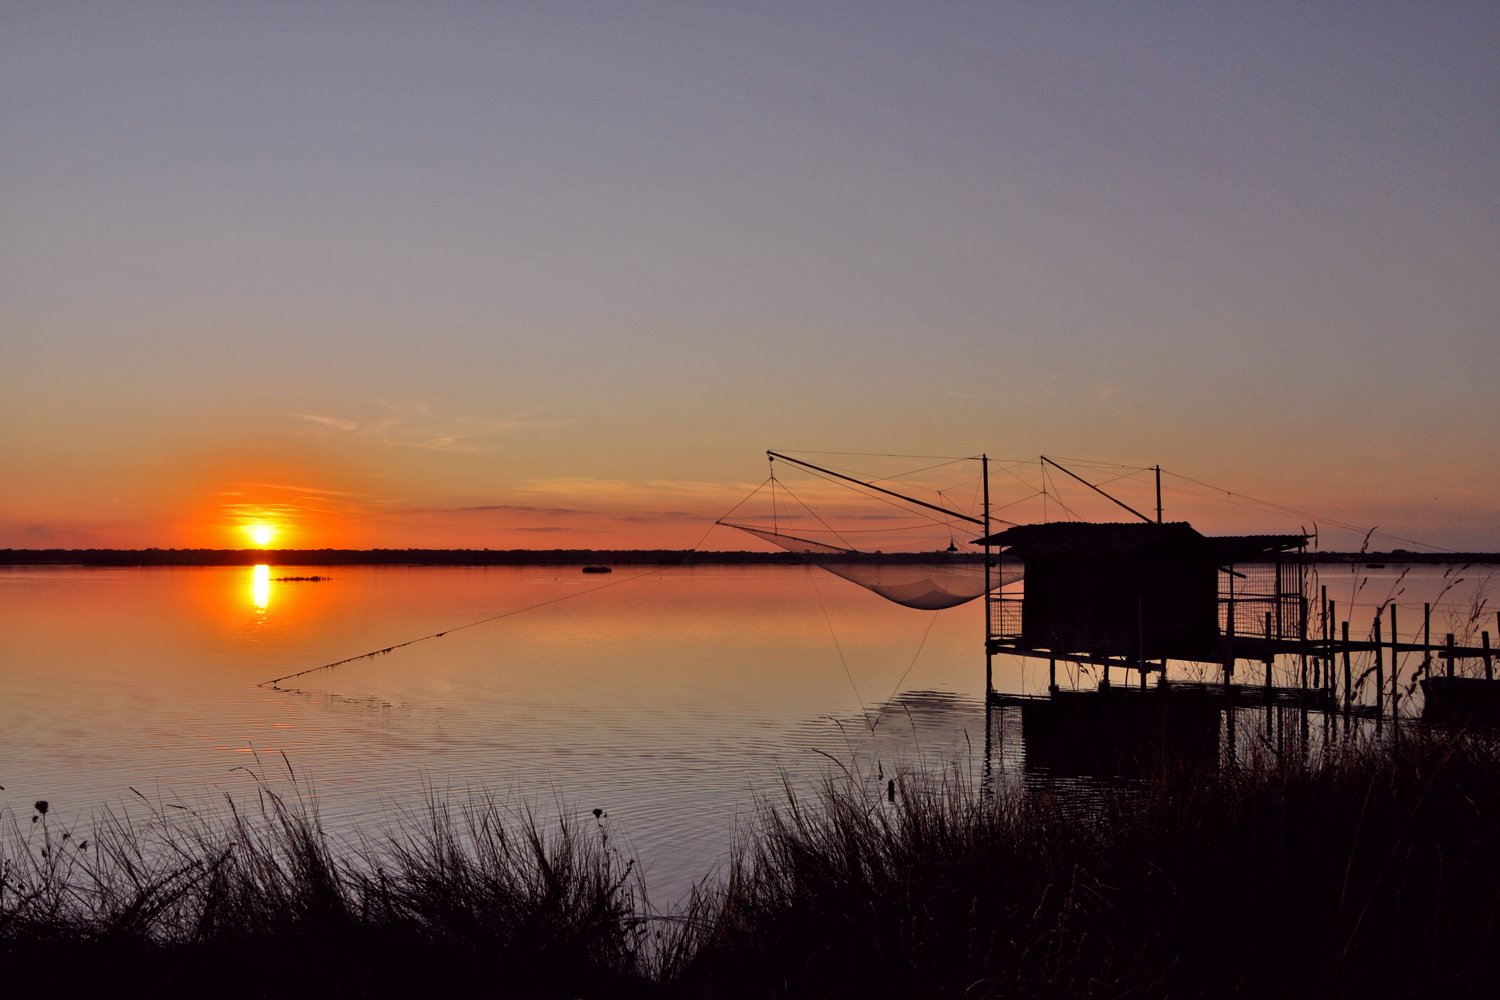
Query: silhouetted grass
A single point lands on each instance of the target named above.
(264, 904)
(1370, 871)
(1374, 871)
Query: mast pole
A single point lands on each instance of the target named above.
(1158, 494)
(1097, 490)
(880, 489)
(989, 658)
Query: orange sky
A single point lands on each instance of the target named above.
(500, 276)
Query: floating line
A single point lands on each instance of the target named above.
(275, 681)
(833, 633)
(915, 657)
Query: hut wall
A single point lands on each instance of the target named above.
(1109, 605)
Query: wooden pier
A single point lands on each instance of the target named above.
(1135, 603)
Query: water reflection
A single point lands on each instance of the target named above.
(672, 702)
(260, 586)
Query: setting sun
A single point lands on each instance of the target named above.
(261, 534)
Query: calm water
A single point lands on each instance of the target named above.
(669, 698)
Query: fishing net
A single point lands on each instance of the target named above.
(928, 585)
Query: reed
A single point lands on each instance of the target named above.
(1371, 868)
(263, 902)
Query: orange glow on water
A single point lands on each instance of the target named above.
(260, 587)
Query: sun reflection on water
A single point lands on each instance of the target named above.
(260, 586)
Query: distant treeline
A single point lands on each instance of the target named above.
(567, 557)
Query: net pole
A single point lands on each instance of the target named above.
(989, 657)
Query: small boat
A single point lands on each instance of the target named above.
(598, 569)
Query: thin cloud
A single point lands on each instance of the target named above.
(333, 422)
(417, 425)
(517, 508)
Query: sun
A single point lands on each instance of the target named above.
(261, 533)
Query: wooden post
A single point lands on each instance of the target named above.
(1326, 661)
(1348, 673)
(1448, 652)
(1395, 667)
(1051, 675)
(1426, 639)
(1302, 643)
(1489, 673)
(1140, 638)
(1318, 661)
(1379, 671)
(1302, 635)
(1229, 646)
(1270, 656)
(1328, 638)
(989, 598)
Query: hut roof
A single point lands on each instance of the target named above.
(1248, 548)
(1088, 538)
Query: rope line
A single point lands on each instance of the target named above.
(826, 526)
(833, 633)
(902, 679)
(275, 681)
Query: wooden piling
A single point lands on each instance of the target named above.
(1395, 667)
(1302, 636)
(1426, 640)
(1330, 677)
(1379, 671)
(1349, 673)
(1270, 656)
(1229, 647)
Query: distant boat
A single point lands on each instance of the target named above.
(598, 569)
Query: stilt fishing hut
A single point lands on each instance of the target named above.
(1136, 595)
(1122, 597)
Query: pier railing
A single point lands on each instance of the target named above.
(1005, 618)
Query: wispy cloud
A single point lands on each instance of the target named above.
(517, 508)
(332, 422)
(417, 425)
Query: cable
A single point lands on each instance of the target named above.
(275, 681)
(931, 619)
(833, 633)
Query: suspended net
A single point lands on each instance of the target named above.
(927, 584)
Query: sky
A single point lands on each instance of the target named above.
(542, 275)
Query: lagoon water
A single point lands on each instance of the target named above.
(672, 698)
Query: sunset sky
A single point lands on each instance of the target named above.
(557, 274)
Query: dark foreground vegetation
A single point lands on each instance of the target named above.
(1373, 872)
